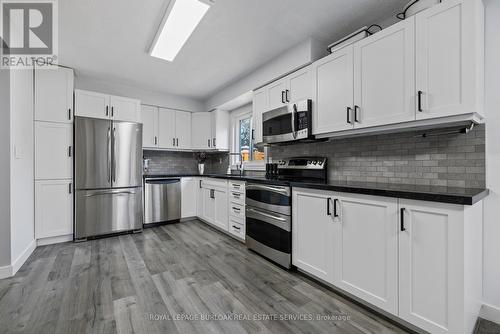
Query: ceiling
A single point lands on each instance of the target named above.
(109, 39)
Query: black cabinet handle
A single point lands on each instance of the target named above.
(287, 95)
(236, 209)
(209, 143)
(112, 112)
(420, 100)
(107, 111)
(200, 183)
(356, 119)
(156, 140)
(69, 151)
(282, 96)
(402, 219)
(69, 114)
(328, 212)
(236, 227)
(335, 201)
(173, 141)
(349, 109)
(70, 188)
(253, 134)
(177, 142)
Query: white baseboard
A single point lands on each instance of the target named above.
(490, 313)
(54, 240)
(18, 263)
(5, 271)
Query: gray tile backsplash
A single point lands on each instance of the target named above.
(455, 160)
(167, 162)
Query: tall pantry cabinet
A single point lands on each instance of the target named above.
(53, 124)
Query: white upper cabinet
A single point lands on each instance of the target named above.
(149, 126)
(367, 248)
(54, 95)
(92, 104)
(182, 130)
(201, 130)
(334, 92)
(53, 150)
(125, 109)
(313, 233)
(276, 93)
(299, 85)
(220, 130)
(166, 126)
(259, 106)
(449, 59)
(98, 105)
(384, 76)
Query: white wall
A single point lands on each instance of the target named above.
(295, 57)
(22, 228)
(146, 97)
(4, 169)
(491, 288)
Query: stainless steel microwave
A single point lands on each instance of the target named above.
(288, 123)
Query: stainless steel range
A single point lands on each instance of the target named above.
(269, 207)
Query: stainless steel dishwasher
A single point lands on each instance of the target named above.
(162, 200)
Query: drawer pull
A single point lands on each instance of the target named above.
(236, 209)
(236, 227)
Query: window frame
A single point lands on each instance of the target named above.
(236, 117)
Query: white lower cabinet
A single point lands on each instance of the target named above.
(420, 261)
(188, 197)
(214, 203)
(53, 208)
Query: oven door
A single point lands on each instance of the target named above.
(272, 198)
(269, 234)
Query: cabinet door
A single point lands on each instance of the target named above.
(54, 95)
(367, 249)
(448, 39)
(384, 76)
(92, 104)
(220, 130)
(299, 85)
(53, 208)
(183, 130)
(209, 205)
(429, 255)
(221, 215)
(201, 130)
(199, 199)
(334, 92)
(166, 128)
(313, 233)
(276, 93)
(259, 106)
(188, 197)
(125, 109)
(149, 126)
(53, 151)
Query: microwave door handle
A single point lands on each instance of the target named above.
(294, 111)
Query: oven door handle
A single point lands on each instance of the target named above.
(294, 112)
(278, 190)
(281, 219)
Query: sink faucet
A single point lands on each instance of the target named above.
(240, 166)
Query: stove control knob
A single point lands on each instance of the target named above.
(320, 163)
(315, 162)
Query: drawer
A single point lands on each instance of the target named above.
(236, 210)
(237, 229)
(237, 186)
(236, 197)
(214, 184)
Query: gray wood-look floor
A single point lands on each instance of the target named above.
(152, 281)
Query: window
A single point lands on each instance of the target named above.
(253, 155)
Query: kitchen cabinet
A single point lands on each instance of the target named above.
(149, 126)
(189, 194)
(276, 94)
(259, 106)
(208, 206)
(313, 233)
(367, 248)
(103, 106)
(202, 130)
(53, 150)
(174, 129)
(334, 92)
(440, 256)
(200, 195)
(384, 79)
(449, 59)
(53, 208)
(214, 207)
(54, 95)
(220, 130)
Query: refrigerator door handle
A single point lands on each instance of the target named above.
(113, 153)
(110, 192)
(108, 147)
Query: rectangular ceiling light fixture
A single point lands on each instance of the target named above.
(180, 20)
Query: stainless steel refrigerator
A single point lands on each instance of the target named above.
(108, 177)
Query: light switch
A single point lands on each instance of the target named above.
(18, 152)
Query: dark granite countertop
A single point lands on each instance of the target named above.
(461, 196)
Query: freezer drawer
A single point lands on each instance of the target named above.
(100, 212)
(162, 200)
